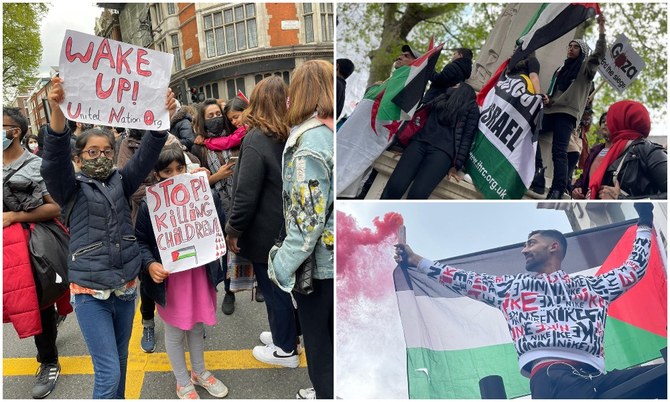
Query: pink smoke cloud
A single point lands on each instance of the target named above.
(365, 259)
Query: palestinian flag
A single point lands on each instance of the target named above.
(183, 253)
(374, 122)
(550, 22)
(410, 95)
(502, 157)
(453, 341)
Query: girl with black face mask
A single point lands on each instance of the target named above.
(211, 123)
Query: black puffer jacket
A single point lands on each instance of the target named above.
(453, 73)
(181, 126)
(643, 172)
(454, 140)
(103, 248)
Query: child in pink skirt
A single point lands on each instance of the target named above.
(186, 300)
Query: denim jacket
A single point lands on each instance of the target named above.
(307, 194)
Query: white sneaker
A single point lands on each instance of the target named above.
(272, 354)
(306, 393)
(266, 339)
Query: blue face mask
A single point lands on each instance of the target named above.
(6, 142)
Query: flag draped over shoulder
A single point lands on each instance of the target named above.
(502, 157)
(372, 124)
(550, 22)
(454, 341)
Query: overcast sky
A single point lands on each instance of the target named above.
(76, 15)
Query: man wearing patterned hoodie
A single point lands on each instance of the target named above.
(562, 363)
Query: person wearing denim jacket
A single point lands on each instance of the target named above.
(307, 194)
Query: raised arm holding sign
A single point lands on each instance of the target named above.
(114, 83)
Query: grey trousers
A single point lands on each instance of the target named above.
(174, 346)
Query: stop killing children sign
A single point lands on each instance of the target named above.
(112, 83)
(186, 225)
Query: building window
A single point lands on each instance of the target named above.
(230, 30)
(215, 90)
(171, 8)
(159, 13)
(235, 85)
(309, 22)
(162, 47)
(326, 21)
(281, 74)
(176, 52)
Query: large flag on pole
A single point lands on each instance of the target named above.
(502, 157)
(371, 126)
(454, 341)
(550, 22)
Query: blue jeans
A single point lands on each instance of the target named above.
(106, 326)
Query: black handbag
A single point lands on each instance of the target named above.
(304, 282)
(48, 246)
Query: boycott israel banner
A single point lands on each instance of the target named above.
(454, 341)
(502, 157)
(113, 83)
(621, 64)
(185, 222)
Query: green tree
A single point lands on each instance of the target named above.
(377, 31)
(22, 48)
(384, 28)
(645, 25)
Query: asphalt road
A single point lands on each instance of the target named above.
(227, 355)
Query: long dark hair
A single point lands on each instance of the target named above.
(200, 121)
(454, 103)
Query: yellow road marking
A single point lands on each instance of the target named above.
(140, 363)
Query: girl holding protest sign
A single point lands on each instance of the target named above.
(256, 218)
(211, 123)
(104, 255)
(186, 300)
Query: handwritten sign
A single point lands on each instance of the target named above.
(621, 64)
(186, 225)
(112, 83)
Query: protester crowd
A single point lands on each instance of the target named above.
(436, 142)
(269, 163)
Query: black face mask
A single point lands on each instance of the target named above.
(215, 125)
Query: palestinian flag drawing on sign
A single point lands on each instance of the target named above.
(183, 253)
(550, 22)
(453, 341)
(502, 157)
(371, 126)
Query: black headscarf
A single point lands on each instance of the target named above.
(569, 70)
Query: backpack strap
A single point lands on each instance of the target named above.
(9, 176)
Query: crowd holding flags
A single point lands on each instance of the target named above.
(374, 122)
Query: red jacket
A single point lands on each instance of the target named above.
(19, 296)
